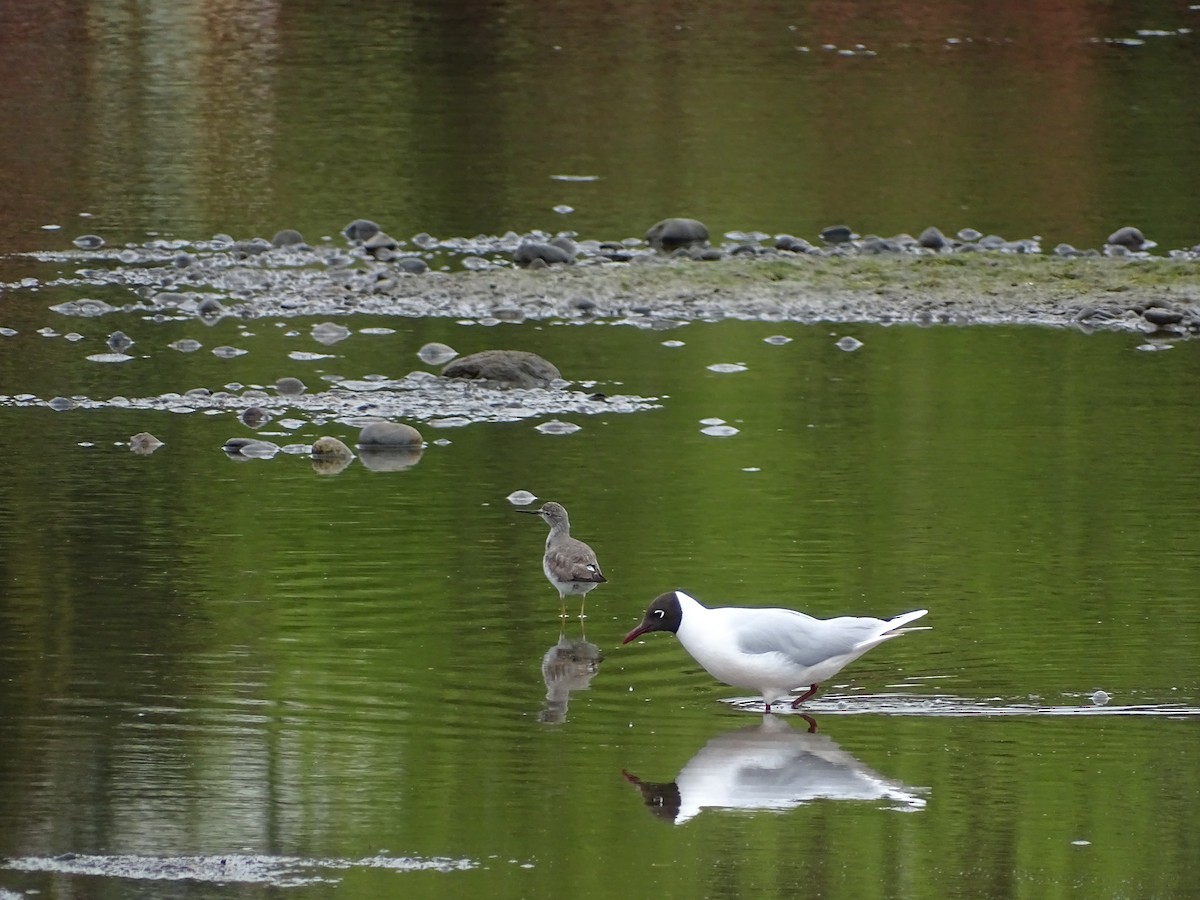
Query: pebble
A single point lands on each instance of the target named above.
(254, 416)
(673, 234)
(144, 443)
(436, 354)
(290, 387)
(329, 333)
(554, 426)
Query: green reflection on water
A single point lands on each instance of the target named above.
(202, 656)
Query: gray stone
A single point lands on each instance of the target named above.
(671, 234)
(1127, 237)
(532, 251)
(255, 417)
(380, 245)
(144, 443)
(837, 234)
(436, 353)
(288, 237)
(1158, 316)
(360, 230)
(505, 368)
(119, 342)
(389, 434)
(413, 265)
(250, 448)
(932, 238)
(290, 386)
(792, 244)
(210, 308)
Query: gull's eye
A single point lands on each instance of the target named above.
(659, 613)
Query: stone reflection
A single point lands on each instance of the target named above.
(570, 665)
(770, 766)
(390, 459)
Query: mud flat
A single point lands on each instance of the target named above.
(534, 276)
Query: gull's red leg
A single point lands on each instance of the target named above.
(812, 690)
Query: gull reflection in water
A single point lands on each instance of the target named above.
(770, 766)
(570, 665)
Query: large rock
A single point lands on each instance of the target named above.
(671, 234)
(505, 368)
(389, 434)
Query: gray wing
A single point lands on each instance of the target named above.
(577, 559)
(801, 638)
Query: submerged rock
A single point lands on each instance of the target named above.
(436, 354)
(290, 387)
(250, 448)
(255, 417)
(119, 342)
(144, 443)
(328, 333)
(505, 368)
(670, 235)
(380, 458)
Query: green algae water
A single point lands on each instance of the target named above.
(337, 683)
(246, 677)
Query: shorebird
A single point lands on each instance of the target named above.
(569, 564)
(772, 651)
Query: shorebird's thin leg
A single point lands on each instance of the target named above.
(812, 723)
(581, 605)
(812, 690)
(562, 606)
(766, 708)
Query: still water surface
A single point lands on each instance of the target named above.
(339, 677)
(242, 679)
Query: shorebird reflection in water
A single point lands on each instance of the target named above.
(569, 564)
(570, 665)
(770, 766)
